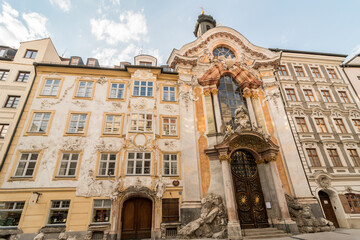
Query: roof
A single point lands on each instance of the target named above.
(307, 52)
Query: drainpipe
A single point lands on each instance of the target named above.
(18, 121)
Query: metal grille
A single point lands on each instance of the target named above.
(97, 235)
(171, 232)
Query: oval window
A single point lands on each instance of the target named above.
(223, 51)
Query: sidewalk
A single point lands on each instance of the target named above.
(338, 234)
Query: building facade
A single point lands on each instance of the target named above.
(233, 139)
(16, 77)
(323, 111)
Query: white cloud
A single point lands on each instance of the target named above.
(64, 5)
(111, 56)
(13, 30)
(132, 26)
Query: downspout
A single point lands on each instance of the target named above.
(18, 121)
(287, 117)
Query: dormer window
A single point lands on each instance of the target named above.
(74, 61)
(147, 64)
(30, 54)
(223, 51)
(91, 62)
(2, 52)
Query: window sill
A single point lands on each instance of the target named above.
(111, 135)
(105, 224)
(143, 96)
(105, 177)
(14, 178)
(169, 102)
(83, 98)
(115, 99)
(75, 134)
(35, 134)
(47, 96)
(170, 136)
(57, 178)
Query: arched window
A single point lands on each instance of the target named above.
(229, 99)
(223, 51)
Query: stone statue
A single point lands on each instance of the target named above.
(115, 185)
(160, 188)
(93, 188)
(228, 131)
(324, 181)
(242, 120)
(212, 222)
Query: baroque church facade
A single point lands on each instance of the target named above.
(235, 137)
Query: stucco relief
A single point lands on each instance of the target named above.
(103, 146)
(186, 91)
(354, 114)
(81, 104)
(73, 144)
(116, 106)
(143, 74)
(160, 188)
(170, 108)
(101, 80)
(336, 113)
(142, 104)
(88, 186)
(272, 94)
(45, 104)
(323, 181)
(168, 145)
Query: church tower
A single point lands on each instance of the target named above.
(203, 24)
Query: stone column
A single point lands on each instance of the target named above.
(115, 214)
(247, 96)
(234, 229)
(217, 111)
(258, 111)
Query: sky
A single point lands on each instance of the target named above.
(117, 30)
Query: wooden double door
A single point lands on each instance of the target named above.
(248, 192)
(136, 218)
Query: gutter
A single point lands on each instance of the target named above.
(18, 121)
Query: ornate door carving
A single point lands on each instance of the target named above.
(248, 192)
(136, 218)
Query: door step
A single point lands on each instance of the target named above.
(263, 233)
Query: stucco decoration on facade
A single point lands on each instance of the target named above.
(323, 181)
(143, 74)
(73, 143)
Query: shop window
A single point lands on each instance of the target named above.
(58, 212)
(101, 211)
(10, 213)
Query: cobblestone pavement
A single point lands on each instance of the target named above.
(338, 234)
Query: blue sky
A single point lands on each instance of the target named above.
(117, 30)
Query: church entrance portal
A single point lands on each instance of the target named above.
(248, 192)
(136, 218)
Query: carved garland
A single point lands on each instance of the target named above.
(226, 35)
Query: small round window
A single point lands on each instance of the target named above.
(223, 51)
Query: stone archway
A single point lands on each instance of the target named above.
(132, 202)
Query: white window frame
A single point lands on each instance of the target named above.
(168, 94)
(170, 125)
(345, 125)
(137, 159)
(103, 206)
(143, 85)
(4, 128)
(68, 163)
(86, 90)
(60, 208)
(171, 163)
(23, 76)
(112, 123)
(78, 122)
(137, 120)
(107, 161)
(53, 86)
(17, 206)
(4, 74)
(347, 95)
(27, 161)
(114, 92)
(40, 122)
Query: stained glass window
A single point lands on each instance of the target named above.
(229, 100)
(223, 51)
